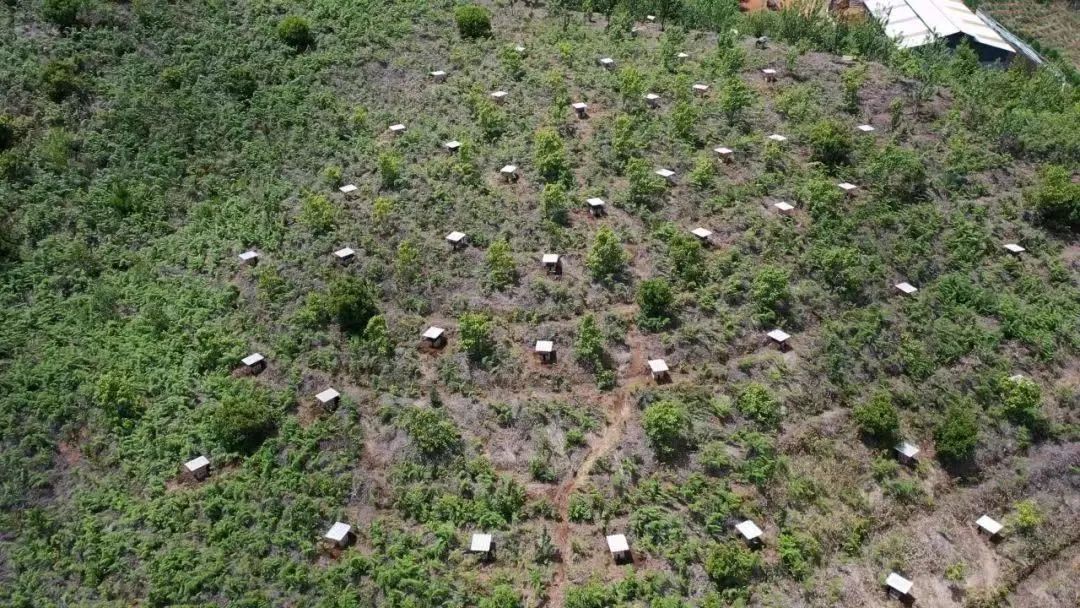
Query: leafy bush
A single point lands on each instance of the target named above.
(830, 142)
(898, 174)
(1026, 516)
(606, 259)
(555, 204)
(317, 213)
(389, 170)
(1056, 198)
(1021, 401)
(758, 404)
(770, 293)
(244, 417)
(549, 154)
(957, 433)
(476, 336)
(64, 13)
(645, 184)
(502, 596)
(667, 426)
(730, 565)
(798, 553)
(735, 99)
(877, 417)
(589, 346)
(655, 302)
(473, 21)
(60, 80)
(353, 303)
(687, 257)
(432, 431)
(501, 269)
(295, 31)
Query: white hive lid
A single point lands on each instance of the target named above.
(702, 233)
(779, 335)
(723, 150)
(595, 202)
(989, 524)
(550, 258)
(907, 449)
(652, 96)
(452, 144)
(345, 252)
(865, 128)
(249, 255)
(782, 206)
(665, 172)
(347, 188)
(906, 287)
(433, 332)
(1014, 248)
(397, 127)
(748, 529)
(616, 543)
(545, 346)
(701, 87)
(658, 365)
(768, 71)
(252, 359)
(338, 531)
(455, 236)
(846, 187)
(328, 395)
(480, 543)
(197, 463)
(777, 137)
(898, 582)
(580, 105)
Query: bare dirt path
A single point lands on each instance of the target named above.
(619, 412)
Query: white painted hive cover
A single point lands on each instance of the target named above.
(682, 56)
(777, 137)
(481, 543)
(499, 94)
(453, 144)
(509, 169)
(907, 449)
(595, 202)
(1014, 248)
(702, 233)
(338, 531)
(398, 128)
(779, 335)
(455, 237)
(252, 359)
(658, 366)
(901, 584)
(347, 188)
(701, 87)
(545, 346)
(665, 173)
(723, 151)
(251, 254)
(616, 543)
(345, 252)
(989, 524)
(550, 258)
(748, 529)
(433, 332)
(846, 187)
(785, 207)
(865, 128)
(906, 287)
(768, 71)
(438, 73)
(580, 106)
(652, 96)
(197, 463)
(607, 61)
(327, 396)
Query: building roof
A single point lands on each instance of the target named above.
(658, 365)
(898, 582)
(616, 543)
(338, 531)
(252, 359)
(481, 543)
(197, 463)
(907, 449)
(779, 335)
(918, 22)
(327, 395)
(748, 529)
(433, 333)
(545, 346)
(990, 525)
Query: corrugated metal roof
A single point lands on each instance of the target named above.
(918, 22)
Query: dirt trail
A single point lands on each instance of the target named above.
(619, 411)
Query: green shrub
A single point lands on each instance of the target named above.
(473, 21)
(667, 426)
(501, 269)
(830, 142)
(317, 213)
(549, 154)
(589, 345)
(244, 417)
(715, 458)
(1026, 516)
(294, 31)
(770, 293)
(476, 336)
(60, 80)
(64, 13)
(1021, 401)
(735, 99)
(606, 259)
(432, 431)
(353, 303)
(655, 302)
(555, 204)
(1056, 198)
(389, 170)
(730, 565)
(687, 258)
(645, 184)
(502, 596)
(957, 433)
(899, 174)
(758, 404)
(877, 417)
(853, 79)
(799, 552)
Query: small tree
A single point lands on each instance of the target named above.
(957, 433)
(899, 174)
(758, 404)
(317, 213)
(877, 417)
(684, 120)
(549, 155)
(473, 21)
(589, 346)
(1056, 198)
(432, 431)
(407, 263)
(770, 293)
(555, 204)
(1021, 401)
(655, 301)
(294, 31)
(735, 99)
(501, 269)
(730, 565)
(667, 426)
(830, 142)
(476, 336)
(606, 259)
(687, 258)
(64, 13)
(353, 303)
(853, 79)
(645, 185)
(245, 417)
